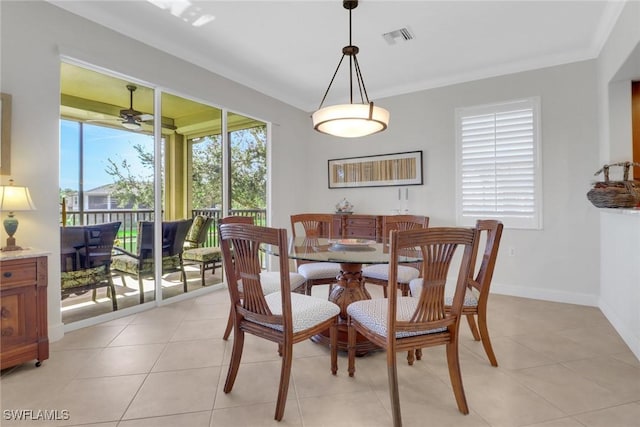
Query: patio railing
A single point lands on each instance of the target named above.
(127, 235)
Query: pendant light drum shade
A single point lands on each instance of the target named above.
(354, 119)
(350, 120)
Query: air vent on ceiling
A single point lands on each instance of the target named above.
(403, 34)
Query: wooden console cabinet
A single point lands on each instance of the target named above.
(358, 226)
(23, 317)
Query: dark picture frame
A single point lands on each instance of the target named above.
(381, 170)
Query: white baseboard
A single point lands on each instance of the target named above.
(546, 294)
(628, 335)
(55, 332)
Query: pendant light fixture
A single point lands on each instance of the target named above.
(350, 120)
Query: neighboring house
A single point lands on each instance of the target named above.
(97, 199)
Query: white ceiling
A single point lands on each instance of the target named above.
(290, 49)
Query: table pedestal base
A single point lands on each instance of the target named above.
(349, 288)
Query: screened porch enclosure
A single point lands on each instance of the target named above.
(203, 161)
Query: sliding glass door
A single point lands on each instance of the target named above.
(152, 170)
(107, 176)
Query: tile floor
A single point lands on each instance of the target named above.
(560, 366)
(79, 307)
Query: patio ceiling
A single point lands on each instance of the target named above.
(94, 97)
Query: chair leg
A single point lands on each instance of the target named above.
(94, 294)
(112, 290)
(394, 395)
(285, 374)
(484, 334)
(333, 337)
(456, 377)
(229, 327)
(410, 357)
(141, 287)
(404, 287)
(472, 325)
(236, 356)
(202, 270)
(351, 349)
(184, 277)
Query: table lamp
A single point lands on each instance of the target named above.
(13, 199)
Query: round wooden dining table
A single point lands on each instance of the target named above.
(351, 254)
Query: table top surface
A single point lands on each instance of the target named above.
(344, 251)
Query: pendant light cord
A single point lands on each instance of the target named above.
(353, 63)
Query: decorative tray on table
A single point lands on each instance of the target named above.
(342, 244)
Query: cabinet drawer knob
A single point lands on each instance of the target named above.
(7, 274)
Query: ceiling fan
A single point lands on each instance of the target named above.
(132, 119)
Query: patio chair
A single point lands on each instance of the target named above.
(86, 259)
(283, 317)
(402, 323)
(315, 273)
(379, 274)
(477, 294)
(140, 264)
(207, 258)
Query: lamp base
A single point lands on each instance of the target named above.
(11, 245)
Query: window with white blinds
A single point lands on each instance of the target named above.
(498, 163)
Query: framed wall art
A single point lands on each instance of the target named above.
(5, 134)
(382, 170)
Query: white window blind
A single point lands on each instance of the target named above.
(498, 170)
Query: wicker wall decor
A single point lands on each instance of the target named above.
(615, 194)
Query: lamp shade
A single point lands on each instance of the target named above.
(350, 120)
(14, 199)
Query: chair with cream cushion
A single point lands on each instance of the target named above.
(402, 323)
(270, 280)
(378, 274)
(477, 293)
(315, 226)
(283, 317)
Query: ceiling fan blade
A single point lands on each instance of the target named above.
(144, 117)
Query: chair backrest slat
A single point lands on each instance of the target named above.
(241, 246)
(492, 229)
(438, 247)
(402, 222)
(314, 225)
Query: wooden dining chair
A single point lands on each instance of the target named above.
(477, 293)
(315, 226)
(283, 317)
(378, 274)
(401, 323)
(270, 279)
